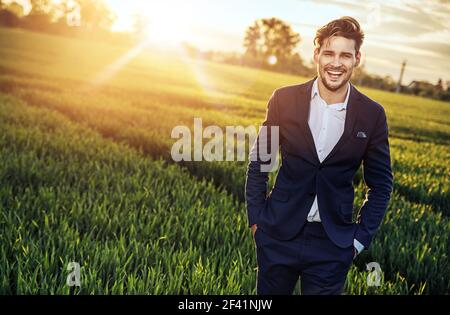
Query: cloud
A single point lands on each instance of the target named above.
(402, 27)
(433, 16)
(408, 14)
(414, 30)
(442, 49)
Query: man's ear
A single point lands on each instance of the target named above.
(316, 55)
(358, 58)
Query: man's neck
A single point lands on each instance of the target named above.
(332, 97)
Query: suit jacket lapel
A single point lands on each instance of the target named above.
(304, 103)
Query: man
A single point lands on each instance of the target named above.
(327, 128)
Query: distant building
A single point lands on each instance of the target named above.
(422, 88)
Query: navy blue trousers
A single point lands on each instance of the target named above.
(311, 256)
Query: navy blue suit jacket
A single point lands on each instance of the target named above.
(302, 176)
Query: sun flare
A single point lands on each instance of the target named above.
(167, 23)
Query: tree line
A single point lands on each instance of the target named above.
(269, 43)
(64, 17)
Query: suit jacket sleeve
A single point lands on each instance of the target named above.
(378, 177)
(256, 180)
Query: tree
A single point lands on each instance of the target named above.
(140, 25)
(15, 8)
(40, 16)
(8, 18)
(40, 6)
(270, 37)
(65, 12)
(55, 16)
(253, 41)
(10, 14)
(439, 85)
(95, 14)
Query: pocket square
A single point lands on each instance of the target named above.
(361, 134)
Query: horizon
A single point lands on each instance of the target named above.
(392, 31)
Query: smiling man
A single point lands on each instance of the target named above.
(305, 227)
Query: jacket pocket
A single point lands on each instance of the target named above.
(346, 212)
(359, 140)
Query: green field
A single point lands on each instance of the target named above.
(86, 176)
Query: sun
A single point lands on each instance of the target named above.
(166, 22)
(272, 60)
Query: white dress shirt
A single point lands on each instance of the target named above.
(326, 123)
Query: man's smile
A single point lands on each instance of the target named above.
(334, 75)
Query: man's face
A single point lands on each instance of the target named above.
(335, 61)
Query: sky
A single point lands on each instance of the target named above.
(417, 31)
(396, 30)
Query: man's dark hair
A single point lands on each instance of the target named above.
(345, 26)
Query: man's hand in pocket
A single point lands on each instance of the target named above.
(254, 228)
(355, 252)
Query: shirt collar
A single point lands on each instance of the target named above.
(337, 106)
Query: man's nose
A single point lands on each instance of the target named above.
(336, 62)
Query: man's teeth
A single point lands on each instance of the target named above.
(334, 74)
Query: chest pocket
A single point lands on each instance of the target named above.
(359, 139)
(359, 136)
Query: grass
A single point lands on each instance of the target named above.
(87, 176)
